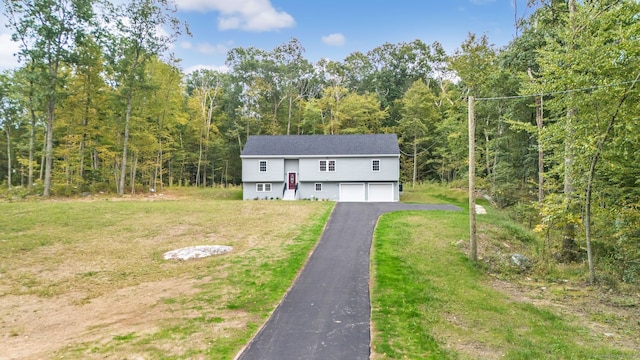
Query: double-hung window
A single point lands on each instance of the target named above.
(263, 165)
(263, 187)
(318, 186)
(327, 165)
(375, 165)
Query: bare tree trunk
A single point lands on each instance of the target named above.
(170, 174)
(49, 148)
(494, 166)
(200, 151)
(213, 172)
(94, 160)
(591, 176)
(51, 107)
(222, 173)
(133, 173)
(67, 163)
(181, 181)
(248, 128)
(154, 178)
(226, 169)
(289, 115)
(204, 166)
(42, 158)
(7, 131)
(487, 151)
(569, 246)
(32, 131)
(160, 169)
(85, 124)
(32, 141)
(125, 143)
(81, 149)
(587, 213)
(276, 125)
(159, 158)
(415, 162)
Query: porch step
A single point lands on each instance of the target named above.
(289, 195)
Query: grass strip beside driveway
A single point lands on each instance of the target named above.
(430, 302)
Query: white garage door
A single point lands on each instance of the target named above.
(352, 192)
(381, 192)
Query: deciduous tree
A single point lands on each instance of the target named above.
(48, 32)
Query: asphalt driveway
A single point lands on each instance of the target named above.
(326, 313)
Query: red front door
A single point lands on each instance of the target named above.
(292, 181)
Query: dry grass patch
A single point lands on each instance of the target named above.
(87, 279)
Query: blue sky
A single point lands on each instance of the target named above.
(327, 29)
(335, 28)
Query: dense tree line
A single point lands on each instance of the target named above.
(96, 107)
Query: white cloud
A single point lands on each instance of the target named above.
(221, 68)
(334, 39)
(206, 48)
(229, 22)
(8, 51)
(249, 15)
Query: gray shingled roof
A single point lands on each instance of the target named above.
(329, 145)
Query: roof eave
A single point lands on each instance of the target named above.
(319, 156)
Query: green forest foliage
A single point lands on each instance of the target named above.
(95, 107)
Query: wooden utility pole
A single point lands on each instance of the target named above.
(473, 251)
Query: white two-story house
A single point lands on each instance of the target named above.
(356, 168)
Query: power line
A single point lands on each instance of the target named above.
(557, 92)
(421, 151)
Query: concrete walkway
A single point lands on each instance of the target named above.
(326, 313)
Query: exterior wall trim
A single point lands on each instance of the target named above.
(292, 157)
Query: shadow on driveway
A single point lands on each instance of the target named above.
(325, 315)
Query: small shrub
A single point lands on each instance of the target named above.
(19, 192)
(65, 190)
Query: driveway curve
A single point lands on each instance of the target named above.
(326, 313)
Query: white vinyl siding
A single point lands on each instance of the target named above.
(347, 170)
(375, 165)
(274, 171)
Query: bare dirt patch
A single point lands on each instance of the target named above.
(589, 308)
(34, 328)
(611, 316)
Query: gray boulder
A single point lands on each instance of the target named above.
(520, 261)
